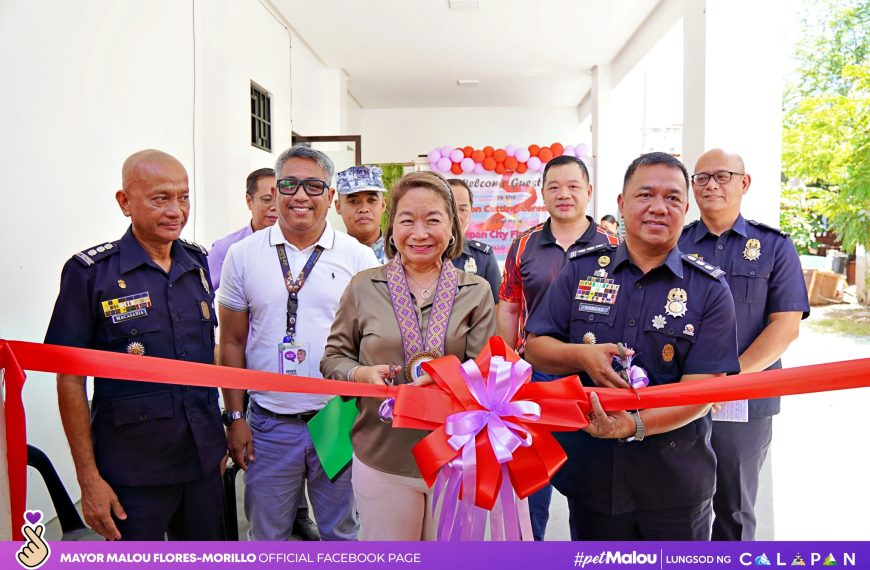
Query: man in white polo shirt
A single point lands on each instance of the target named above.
(283, 285)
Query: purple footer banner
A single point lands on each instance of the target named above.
(35, 553)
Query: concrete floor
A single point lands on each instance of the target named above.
(813, 485)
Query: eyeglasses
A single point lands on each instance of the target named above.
(312, 186)
(721, 177)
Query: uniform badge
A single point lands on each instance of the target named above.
(206, 313)
(752, 251)
(668, 352)
(689, 329)
(601, 273)
(204, 280)
(603, 261)
(122, 284)
(589, 338)
(697, 256)
(136, 348)
(126, 308)
(659, 322)
(92, 252)
(676, 305)
(470, 265)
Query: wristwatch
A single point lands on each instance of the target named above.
(229, 417)
(640, 431)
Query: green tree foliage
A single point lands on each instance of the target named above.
(826, 126)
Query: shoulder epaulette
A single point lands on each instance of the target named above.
(193, 246)
(479, 246)
(771, 228)
(703, 266)
(690, 225)
(97, 253)
(590, 249)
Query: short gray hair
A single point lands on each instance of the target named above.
(299, 151)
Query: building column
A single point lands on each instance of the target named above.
(733, 59)
(606, 167)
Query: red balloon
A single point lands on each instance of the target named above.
(510, 163)
(489, 163)
(499, 167)
(467, 151)
(545, 155)
(456, 168)
(488, 150)
(521, 168)
(499, 155)
(557, 149)
(534, 150)
(477, 156)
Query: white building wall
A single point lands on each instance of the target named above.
(85, 84)
(399, 135)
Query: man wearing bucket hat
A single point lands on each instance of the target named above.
(361, 205)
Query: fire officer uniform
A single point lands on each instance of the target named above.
(679, 319)
(764, 272)
(159, 446)
(478, 259)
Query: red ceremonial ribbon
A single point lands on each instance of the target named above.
(564, 403)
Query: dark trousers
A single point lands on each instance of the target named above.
(184, 511)
(539, 501)
(681, 523)
(741, 448)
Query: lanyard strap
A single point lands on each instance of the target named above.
(294, 285)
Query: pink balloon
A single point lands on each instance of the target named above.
(569, 151)
(522, 154)
(446, 150)
(443, 164)
(510, 150)
(534, 164)
(478, 168)
(456, 155)
(581, 150)
(467, 164)
(434, 155)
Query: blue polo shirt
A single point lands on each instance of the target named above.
(113, 297)
(534, 259)
(764, 280)
(679, 319)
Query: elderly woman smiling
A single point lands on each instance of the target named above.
(390, 320)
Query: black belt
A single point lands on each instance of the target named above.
(301, 416)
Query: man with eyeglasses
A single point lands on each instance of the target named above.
(770, 297)
(269, 310)
(261, 203)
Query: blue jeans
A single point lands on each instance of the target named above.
(539, 501)
(284, 459)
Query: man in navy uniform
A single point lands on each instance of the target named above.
(147, 455)
(477, 257)
(645, 474)
(534, 259)
(361, 205)
(770, 297)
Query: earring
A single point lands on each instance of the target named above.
(452, 240)
(392, 241)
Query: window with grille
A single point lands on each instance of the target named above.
(261, 118)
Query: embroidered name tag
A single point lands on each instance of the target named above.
(126, 308)
(597, 309)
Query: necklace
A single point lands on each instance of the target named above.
(426, 291)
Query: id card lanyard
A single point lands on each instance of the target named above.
(294, 285)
